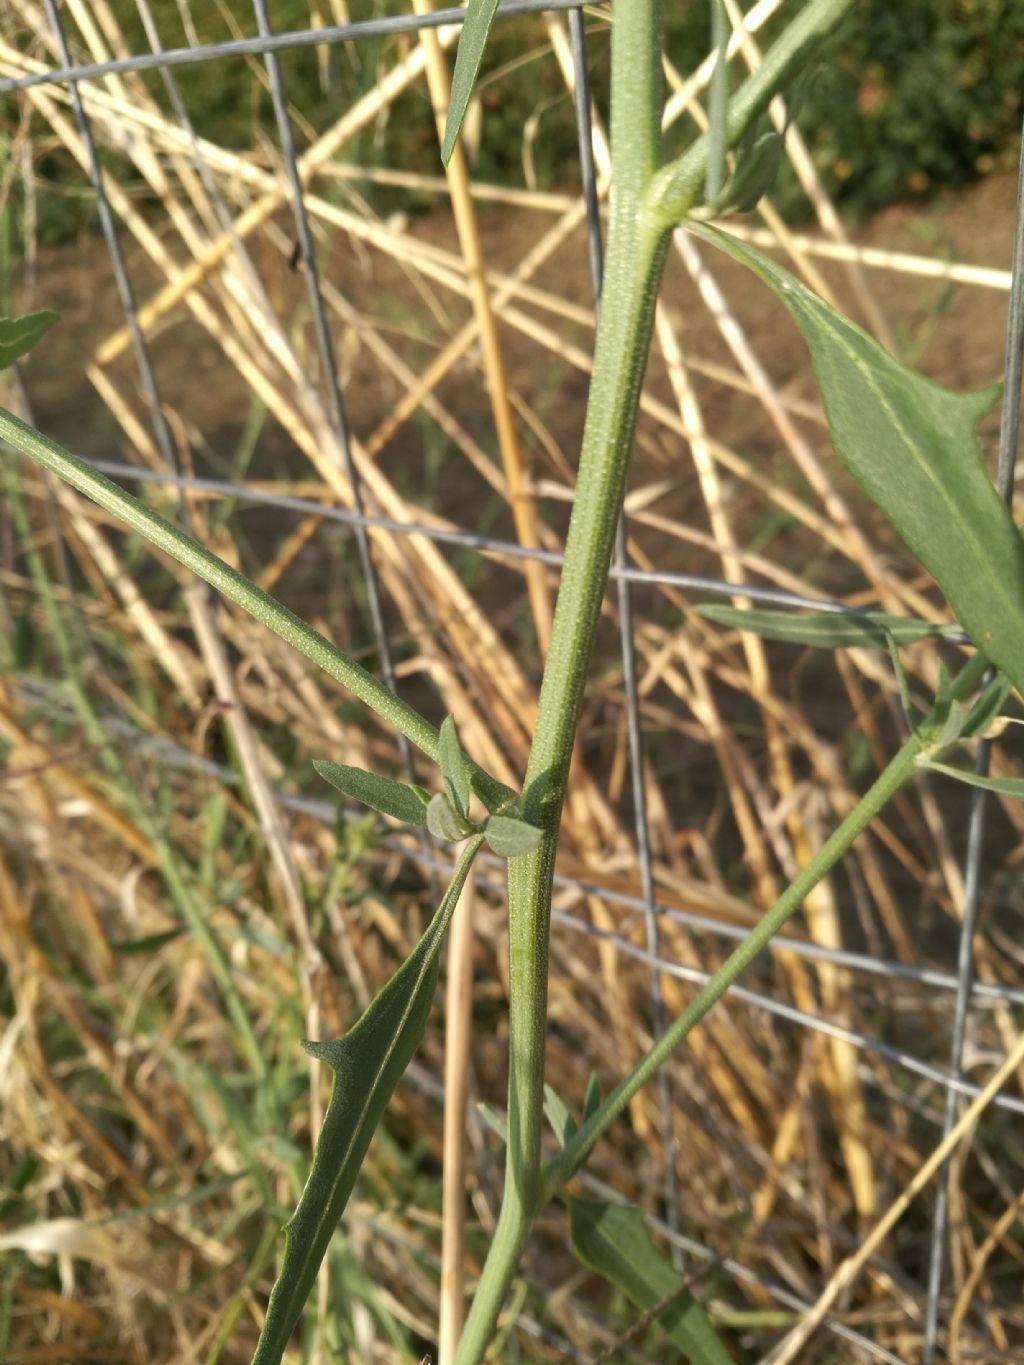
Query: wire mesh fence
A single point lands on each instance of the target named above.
(225, 239)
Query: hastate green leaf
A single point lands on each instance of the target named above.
(913, 448)
(379, 793)
(455, 769)
(367, 1063)
(18, 335)
(511, 838)
(612, 1239)
(824, 629)
(472, 41)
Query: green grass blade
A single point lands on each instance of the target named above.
(612, 1239)
(824, 629)
(472, 41)
(367, 1063)
(379, 793)
(913, 448)
(18, 335)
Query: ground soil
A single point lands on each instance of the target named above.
(954, 334)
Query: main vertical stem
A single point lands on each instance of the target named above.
(633, 266)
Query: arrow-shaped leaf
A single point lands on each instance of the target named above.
(472, 41)
(18, 335)
(613, 1240)
(367, 1063)
(913, 448)
(379, 793)
(824, 629)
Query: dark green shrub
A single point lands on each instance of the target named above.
(916, 95)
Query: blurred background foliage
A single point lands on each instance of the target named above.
(909, 98)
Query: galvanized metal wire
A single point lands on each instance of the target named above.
(386, 27)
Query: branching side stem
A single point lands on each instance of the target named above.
(899, 769)
(213, 570)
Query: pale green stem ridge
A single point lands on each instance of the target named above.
(165, 536)
(900, 768)
(678, 186)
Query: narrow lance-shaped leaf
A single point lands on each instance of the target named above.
(986, 709)
(472, 41)
(563, 1125)
(943, 729)
(613, 1240)
(455, 769)
(756, 169)
(825, 629)
(758, 158)
(494, 1121)
(367, 1063)
(19, 335)
(913, 448)
(382, 794)
(592, 1098)
(1003, 786)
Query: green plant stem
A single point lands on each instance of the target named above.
(639, 225)
(632, 271)
(718, 103)
(165, 536)
(900, 768)
(678, 186)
